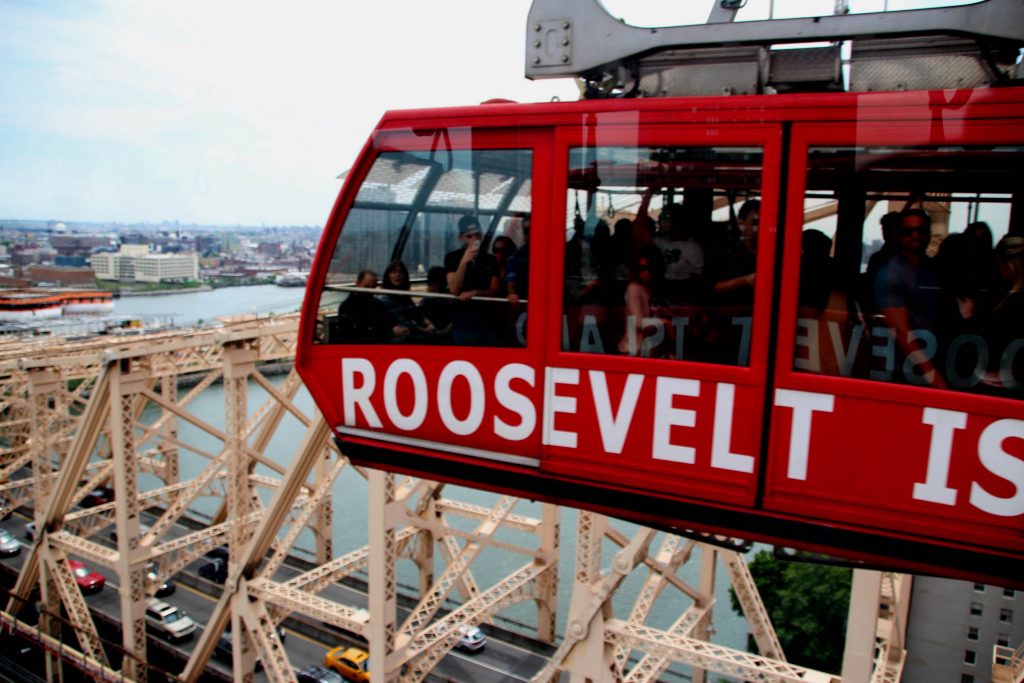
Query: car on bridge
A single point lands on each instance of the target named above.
(318, 674)
(163, 588)
(224, 650)
(9, 545)
(472, 640)
(98, 496)
(352, 663)
(168, 621)
(215, 570)
(88, 580)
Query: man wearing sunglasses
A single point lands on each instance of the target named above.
(908, 291)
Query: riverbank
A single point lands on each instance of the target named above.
(161, 292)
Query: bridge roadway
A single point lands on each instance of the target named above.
(306, 642)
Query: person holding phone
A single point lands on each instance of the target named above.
(472, 272)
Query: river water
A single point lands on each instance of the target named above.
(191, 308)
(350, 492)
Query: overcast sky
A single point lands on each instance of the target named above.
(236, 112)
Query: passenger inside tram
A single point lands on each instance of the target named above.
(907, 292)
(472, 272)
(408, 320)
(362, 318)
(1006, 361)
(681, 253)
(517, 272)
(734, 263)
(502, 247)
(438, 309)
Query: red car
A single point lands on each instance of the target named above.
(88, 581)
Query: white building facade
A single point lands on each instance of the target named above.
(135, 263)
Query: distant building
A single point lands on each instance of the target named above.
(58, 276)
(135, 263)
(27, 255)
(953, 627)
(76, 245)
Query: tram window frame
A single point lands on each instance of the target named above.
(919, 177)
(711, 210)
(613, 129)
(441, 149)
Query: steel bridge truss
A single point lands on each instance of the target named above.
(124, 414)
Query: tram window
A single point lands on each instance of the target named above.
(413, 218)
(660, 252)
(910, 272)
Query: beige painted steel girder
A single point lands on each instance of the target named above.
(281, 594)
(705, 655)
(88, 550)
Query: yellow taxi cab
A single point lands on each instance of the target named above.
(352, 663)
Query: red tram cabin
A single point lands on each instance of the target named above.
(793, 318)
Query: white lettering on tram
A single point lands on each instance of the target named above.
(519, 404)
(935, 487)
(555, 404)
(412, 370)
(353, 395)
(804, 405)
(993, 457)
(1002, 464)
(614, 424)
(722, 456)
(666, 416)
(477, 403)
(668, 422)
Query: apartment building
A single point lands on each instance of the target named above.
(135, 263)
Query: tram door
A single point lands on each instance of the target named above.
(664, 241)
(897, 401)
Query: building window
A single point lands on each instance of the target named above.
(969, 657)
(966, 678)
(975, 609)
(972, 633)
(1006, 616)
(1009, 593)
(1003, 639)
(979, 588)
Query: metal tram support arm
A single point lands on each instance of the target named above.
(579, 38)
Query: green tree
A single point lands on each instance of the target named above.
(808, 605)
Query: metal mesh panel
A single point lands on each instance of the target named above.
(718, 71)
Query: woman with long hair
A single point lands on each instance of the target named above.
(409, 321)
